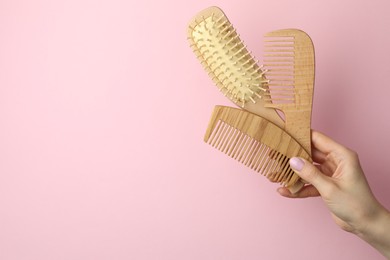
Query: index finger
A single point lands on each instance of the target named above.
(324, 143)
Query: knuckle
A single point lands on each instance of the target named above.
(310, 173)
(352, 156)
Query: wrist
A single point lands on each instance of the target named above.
(375, 231)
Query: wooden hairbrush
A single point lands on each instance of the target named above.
(285, 84)
(228, 62)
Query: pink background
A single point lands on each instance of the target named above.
(103, 107)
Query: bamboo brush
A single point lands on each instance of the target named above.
(228, 62)
(289, 87)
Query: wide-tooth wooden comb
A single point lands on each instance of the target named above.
(289, 60)
(256, 142)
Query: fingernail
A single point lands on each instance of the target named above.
(297, 163)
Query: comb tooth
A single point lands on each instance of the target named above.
(235, 144)
(241, 147)
(214, 132)
(277, 65)
(280, 90)
(253, 153)
(279, 162)
(228, 139)
(276, 40)
(286, 179)
(229, 118)
(281, 51)
(218, 134)
(278, 55)
(262, 161)
(245, 149)
(238, 145)
(232, 141)
(258, 158)
(288, 45)
(219, 142)
(222, 136)
(269, 162)
(273, 167)
(248, 153)
(282, 60)
(284, 169)
(286, 75)
(290, 175)
(226, 142)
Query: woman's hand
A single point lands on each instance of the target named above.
(339, 179)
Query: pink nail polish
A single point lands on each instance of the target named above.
(297, 163)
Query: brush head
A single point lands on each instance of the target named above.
(257, 143)
(225, 57)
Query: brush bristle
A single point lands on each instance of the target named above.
(255, 142)
(221, 51)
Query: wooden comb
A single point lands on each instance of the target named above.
(289, 60)
(256, 142)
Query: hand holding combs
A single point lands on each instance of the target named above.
(256, 134)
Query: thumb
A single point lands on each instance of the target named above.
(309, 173)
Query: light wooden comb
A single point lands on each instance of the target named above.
(256, 142)
(289, 60)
